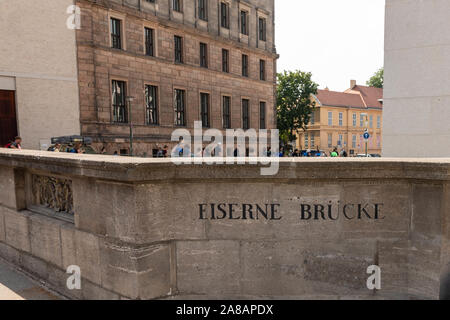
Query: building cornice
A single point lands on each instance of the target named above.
(170, 24)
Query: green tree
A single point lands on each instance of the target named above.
(377, 79)
(294, 103)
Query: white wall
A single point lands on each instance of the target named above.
(417, 79)
(38, 51)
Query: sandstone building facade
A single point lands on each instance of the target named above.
(156, 64)
(162, 65)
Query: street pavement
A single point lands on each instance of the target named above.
(14, 285)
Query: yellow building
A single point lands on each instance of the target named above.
(341, 118)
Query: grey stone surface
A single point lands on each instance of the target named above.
(142, 273)
(14, 285)
(12, 188)
(137, 232)
(203, 263)
(17, 229)
(2, 227)
(45, 239)
(81, 249)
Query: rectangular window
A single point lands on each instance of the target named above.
(341, 119)
(313, 118)
(262, 70)
(371, 121)
(361, 121)
(224, 12)
(244, 22)
(245, 65)
(116, 33)
(330, 118)
(202, 10)
(149, 42)
(262, 29)
(245, 114)
(313, 140)
(330, 140)
(180, 107)
(203, 55)
(378, 122)
(151, 104)
(354, 119)
(204, 112)
(119, 94)
(178, 41)
(262, 115)
(354, 141)
(225, 60)
(226, 110)
(306, 140)
(176, 5)
(341, 138)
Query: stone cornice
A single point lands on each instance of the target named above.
(135, 170)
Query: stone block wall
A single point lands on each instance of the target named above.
(147, 228)
(99, 64)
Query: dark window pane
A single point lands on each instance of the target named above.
(120, 112)
(262, 70)
(178, 49)
(176, 5)
(224, 15)
(244, 65)
(262, 29)
(245, 114)
(244, 22)
(225, 60)
(226, 112)
(202, 9)
(204, 55)
(149, 44)
(180, 107)
(262, 115)
(204, 101)
(151, 97)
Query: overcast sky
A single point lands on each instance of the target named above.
(336, 40)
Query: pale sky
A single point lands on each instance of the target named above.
(336, 40)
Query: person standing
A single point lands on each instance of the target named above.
(16, 144)
(334, 154)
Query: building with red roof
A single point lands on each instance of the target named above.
(341, 118)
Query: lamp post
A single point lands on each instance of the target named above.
(130, 121)
(366, 129)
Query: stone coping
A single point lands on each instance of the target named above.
(134, 169)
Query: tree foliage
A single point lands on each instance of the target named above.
(377, 79)
(294, 103)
